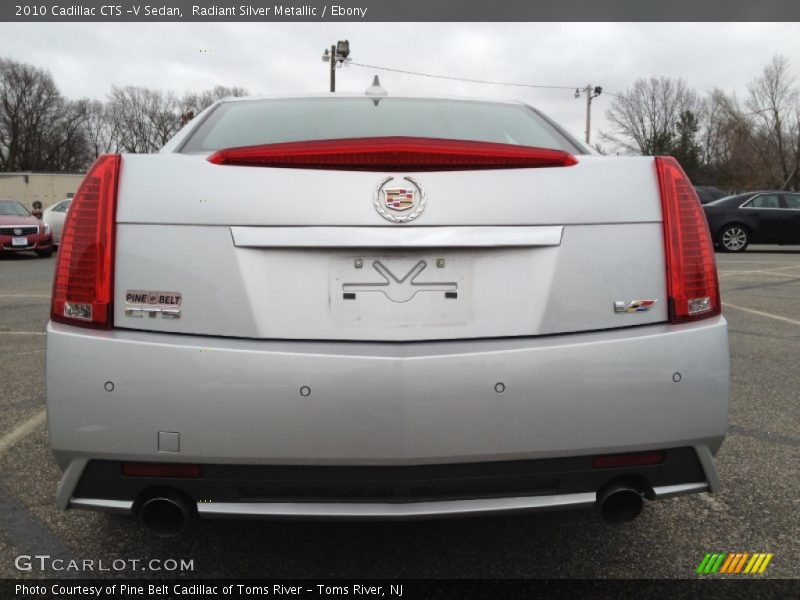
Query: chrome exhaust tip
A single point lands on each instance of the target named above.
(619, 503)
(166, 514)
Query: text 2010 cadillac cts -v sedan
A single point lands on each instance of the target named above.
(398, 307)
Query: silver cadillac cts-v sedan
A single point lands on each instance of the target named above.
(350, 306)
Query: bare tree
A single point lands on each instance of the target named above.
(41, 130)
(193, 103)
(66, 147)
(647, 117)
(97, 128)
(756, 143)
(730, 148)
(716, 121)
(197, 102)
(773, 104)
(34, 118)
(141, 120)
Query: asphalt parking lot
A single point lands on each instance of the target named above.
(757, 510)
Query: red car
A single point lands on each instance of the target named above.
(20, 231)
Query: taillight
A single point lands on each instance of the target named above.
(692, 285)
(83, 282)
(393, 154)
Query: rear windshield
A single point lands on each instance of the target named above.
(254, 122)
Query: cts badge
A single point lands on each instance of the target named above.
(633, 306)
(399, 200)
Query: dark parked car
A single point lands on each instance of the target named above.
(708, 193)
(754, 218)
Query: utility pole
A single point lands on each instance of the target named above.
(337, 55)
(588, 92)
(591, 94)
(333, 68)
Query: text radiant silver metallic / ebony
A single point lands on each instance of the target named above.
(332, 307)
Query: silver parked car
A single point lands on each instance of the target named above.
(54, 216)
(397, 307)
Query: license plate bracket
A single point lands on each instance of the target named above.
(402, 289)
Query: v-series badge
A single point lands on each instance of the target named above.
(152, 303)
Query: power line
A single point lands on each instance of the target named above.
(589, 90)
(466, 79)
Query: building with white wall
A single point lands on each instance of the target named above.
(48, 188)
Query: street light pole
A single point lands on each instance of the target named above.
(338, 54)
(588, 92)
(333, 67)
(591, 94)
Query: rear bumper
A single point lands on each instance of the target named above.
(386, 511)
(394, 492)
(246, 402)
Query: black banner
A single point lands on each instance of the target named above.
(210, 589)
(392, 10)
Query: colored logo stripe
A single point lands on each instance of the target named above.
(736, 562)
(727, 564)
(710, 563)
(758, 563)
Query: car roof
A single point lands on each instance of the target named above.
(339, 95)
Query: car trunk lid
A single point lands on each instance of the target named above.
(291, 253)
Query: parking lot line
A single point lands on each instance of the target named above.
(725, 272)
(22, 430)
(16, 354)
(24, 295)
(22, 333)
(750, 262)
(760, 313)
(768, 273)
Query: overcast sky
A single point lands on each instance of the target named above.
(86, 59)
